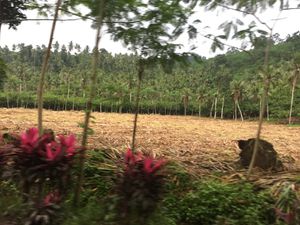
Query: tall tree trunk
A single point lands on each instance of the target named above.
(235, 110)
(44, 69)
(240, 111)
(263, 103)
(260, 105)
(89, 103)
(216, 103)
(211, 109)
(267, 109)
(200, 106)
(7, 100)
(292, 99)
(137, 101)
(68, 93)
(222, 109)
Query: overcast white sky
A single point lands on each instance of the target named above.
(37, 33)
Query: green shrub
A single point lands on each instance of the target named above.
(214, 202)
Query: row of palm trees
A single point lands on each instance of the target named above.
(285, 76)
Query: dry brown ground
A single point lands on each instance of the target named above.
(200, 143)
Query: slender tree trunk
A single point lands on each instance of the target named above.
(73, 103)
(0, 30)
(89, 104)
(137, 101)
(260, 105)
(292, 99)
(267, 103)
(240, 111)
(68, 93)
(7, 100)
(235, 110)
(216, 103)
(211, 109)
(222, 109)
(200, 106)
(263, 103)
(44, 69)
(185, 110)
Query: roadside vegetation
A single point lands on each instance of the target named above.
(51, 178)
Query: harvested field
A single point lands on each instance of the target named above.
(199, 143)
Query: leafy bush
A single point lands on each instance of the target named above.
(41, 165)
(139, 186)
(287, 206)
(213, 202)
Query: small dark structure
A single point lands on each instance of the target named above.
(266, 157)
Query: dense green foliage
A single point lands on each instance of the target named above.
(187, 200)
(214, 202)
(11, 12)
(202, 83)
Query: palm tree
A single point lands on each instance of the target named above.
(222, 108)
(216, 94)
(201, 98)
(254, 91)
(185, 98)
(272, 77)
(293, 79)
(236, 92)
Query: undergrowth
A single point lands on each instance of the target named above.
(186, 199)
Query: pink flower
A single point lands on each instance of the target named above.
(129, 157)
(52, 198)
(288, 218)
(29, 140)
(151, 166)
(68, 143)
(53, 150)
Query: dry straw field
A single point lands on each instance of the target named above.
(199, 143)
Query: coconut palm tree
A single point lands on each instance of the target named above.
(185, 98)
(236, 88)
(254, 91)
(293, 79)
(201, 98)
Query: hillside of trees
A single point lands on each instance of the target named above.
(226, 86)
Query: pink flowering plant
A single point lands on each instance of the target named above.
(45, 157)
(41, 162)
(140, 184)
(46, 210)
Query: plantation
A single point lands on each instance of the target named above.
(199, 143)
(159, 134)
(193, 149)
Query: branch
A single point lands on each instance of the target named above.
(248, 13)
(92, 19)
(37, 19)
(290, 8)
(228, 45)
(67, 20)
